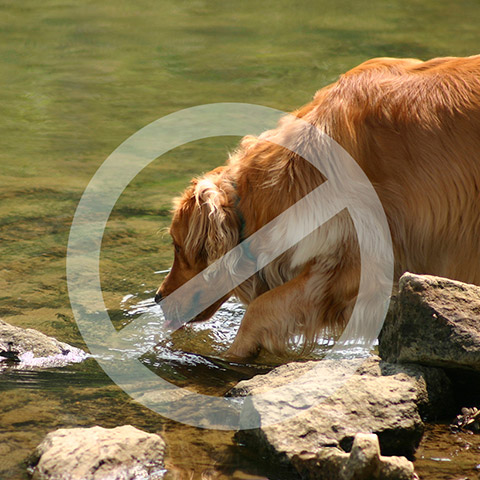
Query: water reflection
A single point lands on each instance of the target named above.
(190, 356)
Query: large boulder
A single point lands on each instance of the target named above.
(434, 321)
(96, 453)
(386, 399)
(30, 348)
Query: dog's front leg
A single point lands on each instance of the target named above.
(271, 319)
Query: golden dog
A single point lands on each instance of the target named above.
(414, 129)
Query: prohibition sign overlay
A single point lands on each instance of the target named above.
(118, 352)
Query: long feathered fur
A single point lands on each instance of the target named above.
(414, 129)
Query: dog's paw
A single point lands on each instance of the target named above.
(240, 355)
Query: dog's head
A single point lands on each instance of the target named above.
(204, 227)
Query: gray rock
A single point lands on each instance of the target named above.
(96, 453)
(434, 321)
(364, 462)
(386, 399)
(34, 349)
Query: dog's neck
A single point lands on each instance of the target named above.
(236, 203)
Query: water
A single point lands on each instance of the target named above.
(78, 78)
(34, 402)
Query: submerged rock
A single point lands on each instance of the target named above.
(434, 321)
(388, 400)
(96, 453)
(31, 348)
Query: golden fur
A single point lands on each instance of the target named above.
(414, 128)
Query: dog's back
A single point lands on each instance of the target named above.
(414, 127)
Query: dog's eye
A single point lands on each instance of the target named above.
(176, 247)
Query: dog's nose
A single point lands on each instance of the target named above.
(158, 297)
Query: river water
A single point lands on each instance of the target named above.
(77, 79)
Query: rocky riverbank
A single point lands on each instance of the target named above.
(430, 335)
(366, 426)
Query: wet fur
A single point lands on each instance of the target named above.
(414, 128)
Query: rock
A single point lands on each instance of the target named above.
(386, 399)
(434, 321)
(31, 348)
(96, 453)
(469, 419)
(364, 462)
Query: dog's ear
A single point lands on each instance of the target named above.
(214, 227)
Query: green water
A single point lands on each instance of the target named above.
(77, 79)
